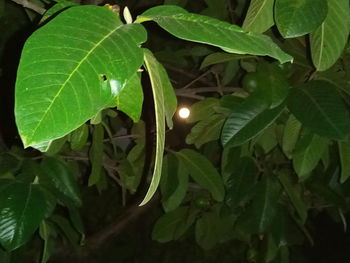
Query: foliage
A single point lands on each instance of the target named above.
(264, 151)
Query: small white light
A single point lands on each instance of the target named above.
(184, 113)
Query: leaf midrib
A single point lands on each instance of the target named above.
(184, 156)
(321, 111)
(257, 13)
(70, 76)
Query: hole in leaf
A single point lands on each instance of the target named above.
(103, 77)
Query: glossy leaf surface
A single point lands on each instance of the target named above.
(202, 29)
(308, 153)
(344, 156)
(297, 18)
(22, 207)
(248, 120)
(160, 88)
(203, 172)
(261, 213)
(71, 69)
(290, 135)
(130, 98)
(172, 225)
(319, 107)
(174, 183)
(241, 181)
(259, 17)
(57, 176)
(329, 39)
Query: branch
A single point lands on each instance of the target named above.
(29, 5)
(119, 224)
(193, 93)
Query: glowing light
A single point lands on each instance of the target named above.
(184, 113)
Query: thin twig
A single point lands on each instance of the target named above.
(196, 79)
(192, 96)
(185, 73)
(29, 5)
(209, 89)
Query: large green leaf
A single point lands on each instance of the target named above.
(22, 207)
(130, 98)
(165, 106)
(71, 69)
(241, 181)
(58, 177)
(308, 153)
(203, 109)
(328, 40)
(96, 154)
(206, 130)
(173, 225)
(259, 17)
(213, 227)
(174, 182)
(202, 29)
(297, 18)
(159, 75)
(344, 156)
(290, 135)
(203, 172)
(295, 195)
(319, 106)
(272, 83)
(260, 214)
(248, 120)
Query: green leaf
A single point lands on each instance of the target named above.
(160, 89)
(44, 232)
(229, 154)
(127, 175)
(203, 109)
(260, 214)
(212, 227)
(272, 83)
(55, 9)
(241, 182)
(344, 156)
(290, 135)
(259, 17)
(308, 153)
(220, 57)
(203, 172)
(202, 29)
(79, 137)
(297, 18)
(319, 106)
(328, 41)
(22, 207)
(58, 177)
(248, 120)
(172, 225)
(174, 183)
(96, 154)
(130, 98)
(295, 195)
(67, 230)
(76, 72)
(160, 77)
(206, 130)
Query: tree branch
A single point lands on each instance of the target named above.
(119, 224)
(29, 5)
